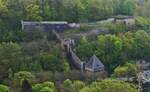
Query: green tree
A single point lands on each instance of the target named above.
(33, 12)
(129, 47)
(23, 75)
(109, 49)
(142, 40)
(3, 8)
(127, 70)
(44, 87)
(68, 86)
(49, 12)
(116, 49)
(83, 47)
(4, 88)
(66, 66)
(72, 10)
(51, 62)
(10, 57)
(3, 14)
(99, 9)
(142, 23)
(143, 10)
(128, 7)
(78, 85)
(110, 86)
(125, 7)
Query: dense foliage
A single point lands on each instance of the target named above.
(34, 58)
(127, 70)
(69, 86)
(74, 11)
(44, 87)
(115, 50)
(4, 88)
(110, 86)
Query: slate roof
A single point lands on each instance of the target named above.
(146, 74)
(43, 22)
(45, 25)
(94, 64)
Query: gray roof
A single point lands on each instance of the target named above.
(94, 64)
(43, 22)
(147, 74)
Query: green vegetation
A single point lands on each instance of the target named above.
(20, 76)
(115, 50)
(69, 86)
(127, 70)
(4, 88)
(36, 60)
(110, 86)
(13, 11)
(44, 87)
